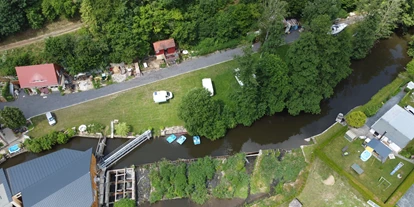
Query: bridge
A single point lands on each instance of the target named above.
(123, 150)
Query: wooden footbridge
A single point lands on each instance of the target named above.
(123, 150)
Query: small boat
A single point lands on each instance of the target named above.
(337, 28)
(182, 139)
(171, 138)
(196, 140)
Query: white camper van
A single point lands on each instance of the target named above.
(207, 84)
(162, 96)
(50, 119)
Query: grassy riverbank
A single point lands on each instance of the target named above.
(137, 108)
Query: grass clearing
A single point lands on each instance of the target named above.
(408, 99)
(269, 168)
(137, 108)
(373, 169)
(338, 194)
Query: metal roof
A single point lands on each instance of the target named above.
(380, 148)
(67, 187)
(28, 173)
(397, 122)
(407, 199)
(5, 194)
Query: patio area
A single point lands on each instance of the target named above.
(372, 170)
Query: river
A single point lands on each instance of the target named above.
(387, 59)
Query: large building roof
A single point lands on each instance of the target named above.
(163, 45)
(59, 179)
(67, 187)
(37, 75)
(398, 125)
(5, 194)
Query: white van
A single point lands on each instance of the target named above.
(162, 96)
(207, 84)
(50, 119)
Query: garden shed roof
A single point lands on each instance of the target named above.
(163, 45)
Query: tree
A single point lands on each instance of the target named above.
(317, 62)
(407, 17)
(356, 119)
(11, 17)
(122, 129)
(34, 16)
(12, 117)
(365, 36)
(274, 11)
(202, 114)
(125, 202)
(316, 8)
(387, 11)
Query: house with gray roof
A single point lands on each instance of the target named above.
(395, 128)
(64, 178)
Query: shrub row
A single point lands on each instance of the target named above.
(46, 142)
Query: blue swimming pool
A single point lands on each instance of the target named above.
(365, 155)
(14, 148)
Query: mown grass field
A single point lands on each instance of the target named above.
(137, 108)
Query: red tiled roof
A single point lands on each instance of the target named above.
(163, 44)
(37, 75)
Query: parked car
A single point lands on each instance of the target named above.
(162, 96)
(50, 119)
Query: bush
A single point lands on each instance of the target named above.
(122, 129)
(71, 132)
(5, 92)
(410, 68)
(163, 65)
(356, 119)
(95, 128)
(125, 202)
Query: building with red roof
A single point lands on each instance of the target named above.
(42, 77)
(165, 49)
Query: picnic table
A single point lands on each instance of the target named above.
(357, 168)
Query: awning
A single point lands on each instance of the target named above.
(369, 149)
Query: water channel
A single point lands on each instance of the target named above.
(369, 75)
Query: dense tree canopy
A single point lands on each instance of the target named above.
(202, 114)
(12, 117)
(317, 62)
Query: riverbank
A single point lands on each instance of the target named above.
(224, 177)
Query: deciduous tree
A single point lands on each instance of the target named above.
(356, 119)
(12, 117)
(202, 114)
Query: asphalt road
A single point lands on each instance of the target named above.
(36, 105)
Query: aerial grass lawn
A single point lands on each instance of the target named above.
(136, 106)
(408, 99)
(337, 193)
(373, 169)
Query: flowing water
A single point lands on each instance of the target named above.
(369, 75)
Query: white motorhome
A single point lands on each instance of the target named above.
(50, 119)
(162, 96)
(207, 84)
